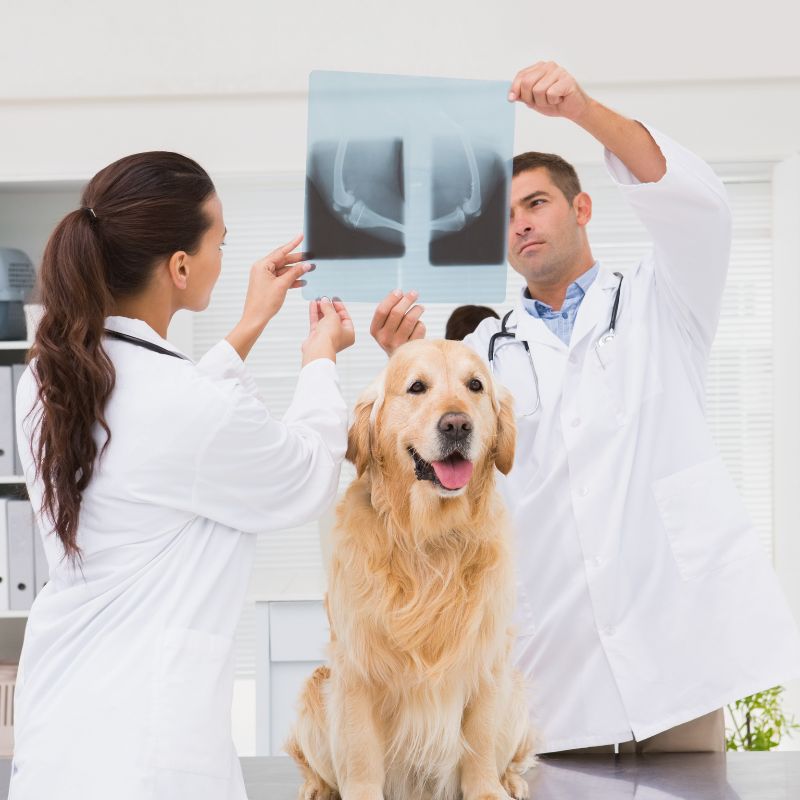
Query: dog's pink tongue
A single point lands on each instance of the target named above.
(453, 473)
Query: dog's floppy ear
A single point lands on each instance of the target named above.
(506, 436)
(359, 437)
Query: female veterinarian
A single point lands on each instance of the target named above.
(150, 476)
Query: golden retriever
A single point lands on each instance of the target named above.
(420, 701)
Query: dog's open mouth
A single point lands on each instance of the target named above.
(452, 473)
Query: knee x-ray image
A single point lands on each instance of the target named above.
(355, 199)
(407, 184)
(470, 210)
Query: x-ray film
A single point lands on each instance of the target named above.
(407, 183)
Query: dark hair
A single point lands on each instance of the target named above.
(561, 172)
(134, 213)
(465, 319)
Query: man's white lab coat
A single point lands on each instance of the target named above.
(644, 597)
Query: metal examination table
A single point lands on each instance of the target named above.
(693, 776)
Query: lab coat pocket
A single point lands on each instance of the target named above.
(704, 518)
(193, 703)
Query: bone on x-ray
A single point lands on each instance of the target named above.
(407, 185)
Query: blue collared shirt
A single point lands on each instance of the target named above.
(562, 322)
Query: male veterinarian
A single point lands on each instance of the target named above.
(638, 569)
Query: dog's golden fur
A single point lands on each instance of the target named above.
(420, 701)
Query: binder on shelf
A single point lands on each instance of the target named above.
(3, 556)
(16, 374)
(19, 521)
(6, 422)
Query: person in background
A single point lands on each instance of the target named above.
(637, 566)
(150, 476)
(465, 319)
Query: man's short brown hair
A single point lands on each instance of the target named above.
(561, 172)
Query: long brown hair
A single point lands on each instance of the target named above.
(134, 213)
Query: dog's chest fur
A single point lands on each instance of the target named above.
(419, 609)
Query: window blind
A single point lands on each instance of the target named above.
(262, 213)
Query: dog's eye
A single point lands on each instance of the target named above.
(475, 385)
(418, 387)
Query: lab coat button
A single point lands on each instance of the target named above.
(609, 630)
(583, 492)
(576, 422)
(620, 418)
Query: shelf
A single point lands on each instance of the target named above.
(15, 345)
(14, 614)
(11, 479)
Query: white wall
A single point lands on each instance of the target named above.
(265, 133)
(108, 48)
(82, 83)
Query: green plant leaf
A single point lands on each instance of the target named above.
(759, 722)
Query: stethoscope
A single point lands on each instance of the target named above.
(507, 332)
(135, 340)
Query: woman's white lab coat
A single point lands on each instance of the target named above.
(126, 673)
(645, 599)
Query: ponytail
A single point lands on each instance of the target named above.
(74, 373)
(135, 213)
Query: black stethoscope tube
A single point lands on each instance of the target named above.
(135, 340)
(503, 333)
(613, 324)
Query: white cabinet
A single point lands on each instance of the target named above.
(291, 640)
(29, 210)
(12, 623)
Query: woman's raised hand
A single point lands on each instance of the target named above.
(330, 330)
(271, 278)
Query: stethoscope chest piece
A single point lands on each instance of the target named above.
(607, 337)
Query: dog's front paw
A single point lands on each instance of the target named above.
(313, 790)
(515, 785)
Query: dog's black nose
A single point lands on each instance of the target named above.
(455, 427)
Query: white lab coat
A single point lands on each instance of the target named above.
(644, 597)
(126, 675)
